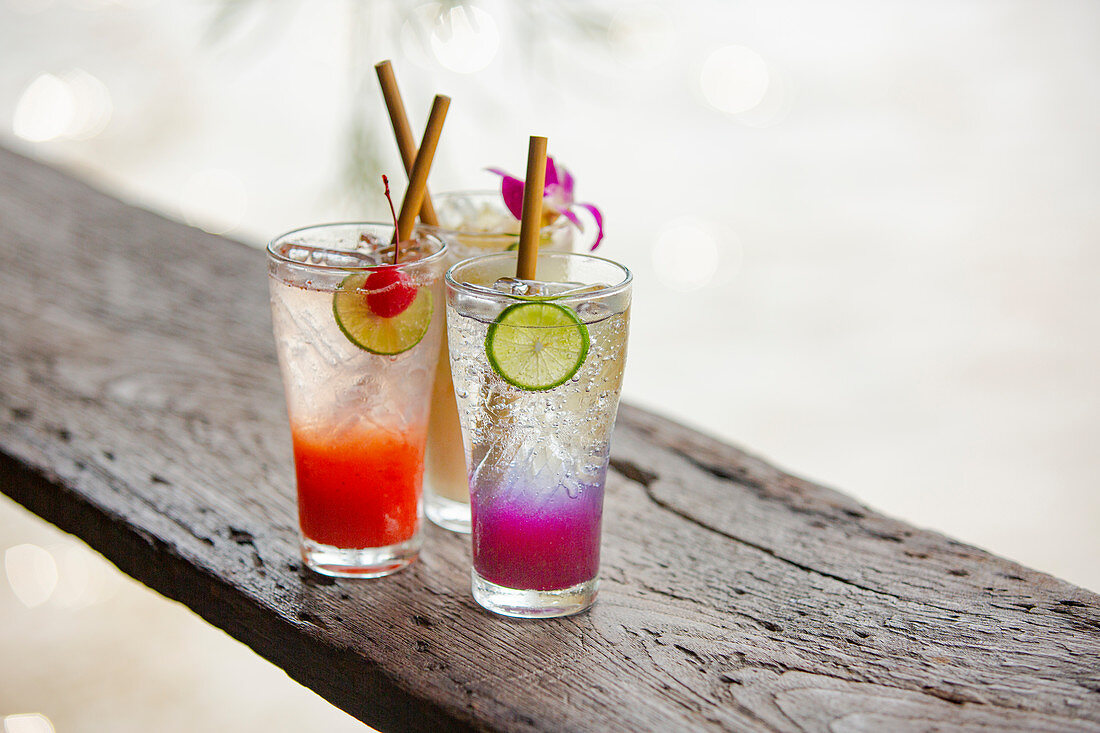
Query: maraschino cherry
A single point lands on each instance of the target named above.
(390, 291)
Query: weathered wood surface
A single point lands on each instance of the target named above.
(140, 409)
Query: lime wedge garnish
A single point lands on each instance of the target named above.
(536, 346)
(374, 333)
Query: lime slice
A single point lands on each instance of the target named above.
(536, 346)
(372, 332)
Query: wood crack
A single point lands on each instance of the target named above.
(740, 477)
(645, 478)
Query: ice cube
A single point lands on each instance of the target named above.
(299, 252)
(593, 311)
(515, 286)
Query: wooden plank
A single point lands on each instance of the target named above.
(141, 409)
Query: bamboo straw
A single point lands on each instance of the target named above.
(531, 221)
(418, 177)
(406, 144)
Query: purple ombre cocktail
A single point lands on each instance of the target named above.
(537, 370)
(524, 541)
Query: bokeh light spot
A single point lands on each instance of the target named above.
(27, 723)
(84, 578)
(32, 574)
(92, 109)
(734, 79)
(685, 255)
(73, 105)
(44, 110)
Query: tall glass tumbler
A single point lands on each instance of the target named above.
(357, 339)
(472, 223)
(537, 368)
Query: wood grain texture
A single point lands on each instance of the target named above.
(141, 409)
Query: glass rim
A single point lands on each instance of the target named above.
(610, 290)
(425, 231)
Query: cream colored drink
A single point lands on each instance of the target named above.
(472, 223)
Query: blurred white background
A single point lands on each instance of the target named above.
(865, 237)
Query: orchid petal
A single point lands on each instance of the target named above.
(551, 173)
(572, 218)
(511, 189)
(566, 182)
(595, 212)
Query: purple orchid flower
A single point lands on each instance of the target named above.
(557, 196)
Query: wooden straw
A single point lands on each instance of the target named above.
(406, 144)
(418, 177)
(531, 221)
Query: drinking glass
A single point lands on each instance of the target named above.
(357, 339)
(537, 368)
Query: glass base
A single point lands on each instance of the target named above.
(534, 603)
(447, 513)
(370, 562)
